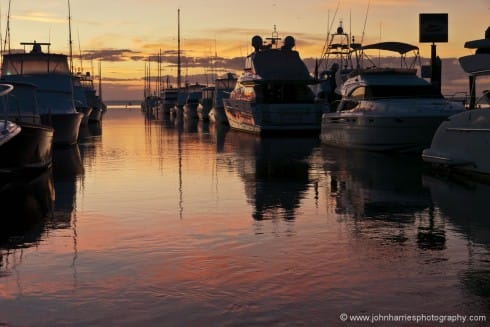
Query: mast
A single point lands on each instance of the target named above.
(100, 80)
(70, 41)
(178, 49)
(7, 32)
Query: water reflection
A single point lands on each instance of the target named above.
(275, 171)
(384, 192)
(25, 201)
(464, 203)
(89, 131)
(67, 169)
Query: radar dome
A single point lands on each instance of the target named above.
(257, 42)
(289, 42)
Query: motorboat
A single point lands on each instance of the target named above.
(272, 95)
(51, 75)
(460, 143)
(187, 93)
(25, 142)
(89, 102)
(388, 109)
(205, 103)
(168, 99)
(194, 94)
(80, 95)
(222, 89)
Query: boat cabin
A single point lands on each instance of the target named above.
(34, 62)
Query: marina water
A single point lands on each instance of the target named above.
(164, 223)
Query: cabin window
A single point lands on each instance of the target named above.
(401, 91)
(358, 93)
(285, 93)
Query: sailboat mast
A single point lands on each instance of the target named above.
(7, 32)
(178, 49)
(100, 80)
(70, 41)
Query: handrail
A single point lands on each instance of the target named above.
(7, 90)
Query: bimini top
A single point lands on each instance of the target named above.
(482, 45)
(479, 62)
(399, 47)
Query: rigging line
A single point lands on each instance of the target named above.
(329, 25)
(7, 32)
(69, 35)
(80, 51)
(365, 22)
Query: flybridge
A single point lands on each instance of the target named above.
(36, 46)
(35, 61)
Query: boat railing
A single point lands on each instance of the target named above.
(4, 90)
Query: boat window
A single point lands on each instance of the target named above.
(358, 93)
(401, 91)
(285, 93)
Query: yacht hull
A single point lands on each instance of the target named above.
(217, 115)
(66, 127)
(375, 133)
(31, 148)
(203, 110)
(190, 111)
(273, 118)
(95, 115)
(461, 143)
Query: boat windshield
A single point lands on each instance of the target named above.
(17, 64)
(395, 91)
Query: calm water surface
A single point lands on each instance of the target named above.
(157, 223)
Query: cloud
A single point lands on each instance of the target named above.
(111, 55)
(38, 16)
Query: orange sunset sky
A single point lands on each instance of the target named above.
(124, 34)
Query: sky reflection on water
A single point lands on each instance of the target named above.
(153, 221)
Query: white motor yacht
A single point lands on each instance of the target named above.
(461, 142)
(272, 95)
(386, 108)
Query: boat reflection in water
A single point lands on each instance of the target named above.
(25, 202)
(464, 203)
(67, 169)
(382, 191)
(275, 171)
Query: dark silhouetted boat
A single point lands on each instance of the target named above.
(30, 144)
(51, 75)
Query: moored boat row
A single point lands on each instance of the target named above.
(43, 105)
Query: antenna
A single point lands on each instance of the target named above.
(80, 51)
(7, 32)
(178, 49)
(70, 41)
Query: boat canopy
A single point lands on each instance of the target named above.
(399, 47)
(478, 44)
